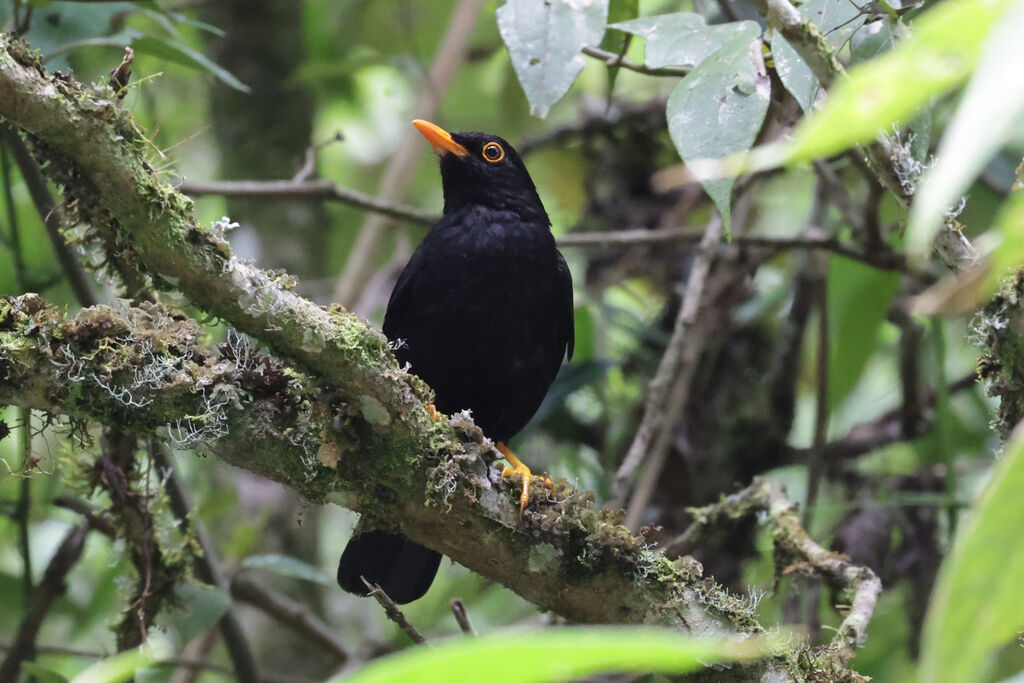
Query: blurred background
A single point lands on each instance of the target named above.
(877, 409)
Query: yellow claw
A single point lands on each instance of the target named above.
(434, 414)
(519, 468)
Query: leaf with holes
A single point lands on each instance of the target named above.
(544, 40)
(718, 109)
(684, 38)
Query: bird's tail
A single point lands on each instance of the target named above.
(402, 568)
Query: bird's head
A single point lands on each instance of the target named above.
(478, 169)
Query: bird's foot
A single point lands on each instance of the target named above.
(520, 469)
(435, 414)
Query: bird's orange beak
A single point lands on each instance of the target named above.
(440, 139)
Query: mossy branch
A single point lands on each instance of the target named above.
(337, 420)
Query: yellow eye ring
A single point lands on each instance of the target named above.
(493, 152)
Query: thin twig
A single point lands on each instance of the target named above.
(393, 612)
(319, 190)
(41, 600)
(290, 613)
(666, 393)
(613, 59)
(459, 610)
(207, 566)
(815, 463)
(93, 515)
(46, 207)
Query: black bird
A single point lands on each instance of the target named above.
(483, 311)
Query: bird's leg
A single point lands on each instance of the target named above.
(435, 414)
(518, 467)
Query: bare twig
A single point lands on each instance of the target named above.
(46, 207)
(667, 390)
(393, 612)
(207, 567)
(319, 190)
(42, 598)
(615, 59)
(815, 464)
(93, 515)
(364, 254)
(459, 610)
(293, 614)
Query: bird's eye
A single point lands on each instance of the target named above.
(493, 152)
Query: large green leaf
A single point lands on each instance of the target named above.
(991, 113)
(684, 38)
(544, 40)
(838, 20)
(858, 298)
(555, 655)
(978, 604)
(717, 110)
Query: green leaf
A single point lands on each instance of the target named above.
(939, 55)
(978, 604)
(291, 567)
(1009, 225)
(684, 38)
(874, 40)
(858, 298)
(838, 20)
(560, 654)
(124, 665)
(42, 674)
(991, 113)
(199, 607)
(180, 54)
(544, 40)
(717, 110)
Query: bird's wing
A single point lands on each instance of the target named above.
(566, 328)
(401, 297)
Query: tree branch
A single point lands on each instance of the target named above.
(320, 190)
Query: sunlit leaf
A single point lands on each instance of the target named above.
(544, 40)
(684, 38)
(717, 110)
(291, 567)
(124, 665)
(559, 654)
(838, 20)
(991, 112)
(978, 604)
(942, 50)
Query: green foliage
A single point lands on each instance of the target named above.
(556, 654)
(978, 606)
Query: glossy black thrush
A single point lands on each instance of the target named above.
(483, 314)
